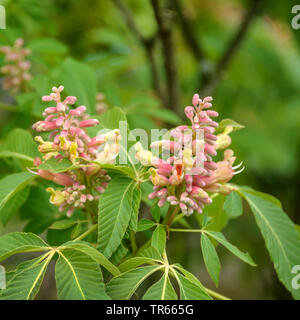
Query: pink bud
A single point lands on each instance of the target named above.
(96, 141)
(47, 98)
(161, 202)
(88, 123)
(212, 113)
(189, 111)
(63, 179)
(61, 107)
(70, 100)
(195, 99)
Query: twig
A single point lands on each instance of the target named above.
(231, 49)
(147, 43)
(165, 34)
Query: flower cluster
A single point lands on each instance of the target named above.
(188, 173)
(16, 70)
(68, 139)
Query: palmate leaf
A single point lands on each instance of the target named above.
(10, 185)
(161, 290)
(115, 211)
(280, 235)
(78, 277)
(25, 282)
(211, 258)
(17, 242)
(122, 287)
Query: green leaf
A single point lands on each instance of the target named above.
(123, 286)
(280, 235)
(63, 224)
(159, 238)
(230, 123)
(19, 144)
(80, 80)
(11, 185)
(190, 290)
(13, 204)
(120, 169)
(25, 281)
(145, 224)
(233, 249)
(17, 242)
(38, 210)
(233, 205)
(165, 115)
(155, 212)
(76, 231)
(135, 262)
(215, 211)
(97, 256)
(149, 252)
(136, 200)
(47, 45)
(11, 154)
(78, 277)
(56, 167)
(114, 214)
(211, 258)
(161, 290)
(263, 195)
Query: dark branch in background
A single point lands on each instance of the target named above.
(209, 86)
(165, 34)
(190, 38)
(147, 43)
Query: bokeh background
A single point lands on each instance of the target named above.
(150, 61)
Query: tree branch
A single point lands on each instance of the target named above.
(187, 30)
(165, 34)
(147, 43)
(231, 49)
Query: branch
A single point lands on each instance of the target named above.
(187, 31)
(165, 34)
(231, 49)
(147, 43)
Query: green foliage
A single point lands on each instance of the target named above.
(280, 235)
(115, 211)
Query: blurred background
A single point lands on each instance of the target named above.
(150, 57)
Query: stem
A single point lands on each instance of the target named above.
(185, 230)
(133, 242)
(216, 294)
(82, 236)
(172, 217)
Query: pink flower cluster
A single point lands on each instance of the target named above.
(16, 70)
(69, 140)
(189, 173)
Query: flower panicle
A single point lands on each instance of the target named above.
(68, 139)
(188, 173)
(17, 68)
